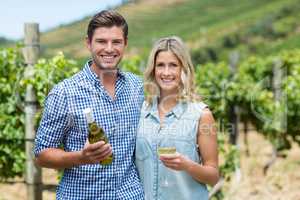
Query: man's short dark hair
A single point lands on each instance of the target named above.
(107, 18)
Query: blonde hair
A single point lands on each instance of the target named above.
(175, 45)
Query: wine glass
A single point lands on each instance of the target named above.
(166, 147)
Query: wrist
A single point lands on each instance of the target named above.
(189, 165)
(80, 158)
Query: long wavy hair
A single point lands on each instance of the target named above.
(187, 86)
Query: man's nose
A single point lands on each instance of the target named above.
(109, 47)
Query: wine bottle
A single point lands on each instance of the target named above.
(96, 133)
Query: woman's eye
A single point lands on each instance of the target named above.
(159, 65)
(173, 65)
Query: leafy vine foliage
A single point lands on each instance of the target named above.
(13, 87)
(249, 88)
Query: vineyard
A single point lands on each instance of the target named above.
(263, 92)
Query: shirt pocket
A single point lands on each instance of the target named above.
(186, 146)
(142, 151)
(144, 162)
(79, 127)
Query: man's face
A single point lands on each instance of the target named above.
(107, 47)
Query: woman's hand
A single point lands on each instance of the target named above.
(176, 161)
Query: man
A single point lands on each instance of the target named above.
(115, 98)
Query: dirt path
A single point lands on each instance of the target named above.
(282, 181)
(17, 191)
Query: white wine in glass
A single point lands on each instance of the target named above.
(166, 150)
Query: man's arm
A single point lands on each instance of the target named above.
(53, 129)
(59, 159)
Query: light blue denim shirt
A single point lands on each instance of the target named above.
(179, 129)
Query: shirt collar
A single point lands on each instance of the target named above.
(91, 75)
(152, 109)
(178, 110)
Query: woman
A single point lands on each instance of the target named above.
(171, 117)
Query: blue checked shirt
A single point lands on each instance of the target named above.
(63, 122)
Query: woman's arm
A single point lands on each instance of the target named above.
(208, 172)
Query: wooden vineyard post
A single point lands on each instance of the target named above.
(280, 115)
(31, 54)
(234, 117)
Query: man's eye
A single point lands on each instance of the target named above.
(117, 42)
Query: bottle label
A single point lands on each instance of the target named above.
(88, 115)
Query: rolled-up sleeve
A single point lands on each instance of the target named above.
(54, 121)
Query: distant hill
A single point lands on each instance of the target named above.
(5, 42)
(211, 28)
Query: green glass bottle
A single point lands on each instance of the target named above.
(96, 133)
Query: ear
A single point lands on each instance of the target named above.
(126, 42)
(88, 43)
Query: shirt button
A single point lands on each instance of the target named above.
(113, 129)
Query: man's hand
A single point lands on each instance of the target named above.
(94, 153)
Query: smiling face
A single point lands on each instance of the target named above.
(107, 47)
(167, 73)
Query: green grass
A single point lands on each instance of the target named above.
(292, 42)
(200, 23)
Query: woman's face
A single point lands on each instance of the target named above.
(167, 73)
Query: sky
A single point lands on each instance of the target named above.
(49, 13)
